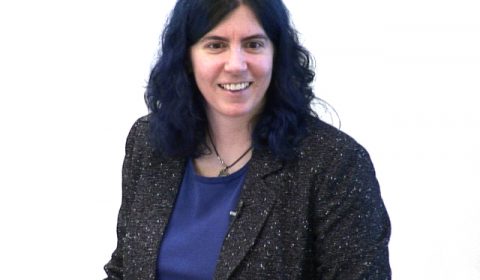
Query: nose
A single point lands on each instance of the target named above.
(236, 61)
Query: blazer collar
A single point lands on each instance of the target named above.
(256, 202)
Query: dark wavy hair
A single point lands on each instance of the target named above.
(178, 122)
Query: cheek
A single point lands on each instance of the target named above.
(264, 77)
(205, 70)
(264, 68)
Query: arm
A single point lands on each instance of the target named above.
(115, 268)
(353, 227)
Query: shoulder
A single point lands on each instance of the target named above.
(140, 126)
(139, 130)
(325, 140)
(138, 137)
(327, 150)
(140, 141)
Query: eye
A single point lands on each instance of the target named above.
(255, 45)
(215, 45)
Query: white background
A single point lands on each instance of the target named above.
(404, 77)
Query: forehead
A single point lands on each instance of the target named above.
(241, 21)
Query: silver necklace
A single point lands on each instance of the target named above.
(225, 168)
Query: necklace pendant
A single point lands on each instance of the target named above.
(223, 172)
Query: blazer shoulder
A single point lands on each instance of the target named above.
(140, 128)
(138, 139)
(325, 139)
(141, 123)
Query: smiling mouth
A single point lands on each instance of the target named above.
(235, 86)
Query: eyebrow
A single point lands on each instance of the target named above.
(220, 38)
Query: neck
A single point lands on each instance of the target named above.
(231, 137)
(230, 134)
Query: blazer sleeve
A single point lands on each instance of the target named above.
(130, 172)
(352, 224)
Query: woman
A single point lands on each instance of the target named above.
(231, 175)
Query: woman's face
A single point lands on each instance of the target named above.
(232, 65)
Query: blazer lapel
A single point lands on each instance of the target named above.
(256, 202)
(159, 185)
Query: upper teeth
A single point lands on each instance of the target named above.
(238, 86)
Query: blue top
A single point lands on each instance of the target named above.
(198, 224)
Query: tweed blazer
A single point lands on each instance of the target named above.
(320, 216)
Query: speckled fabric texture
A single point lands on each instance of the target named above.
(320, 216)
